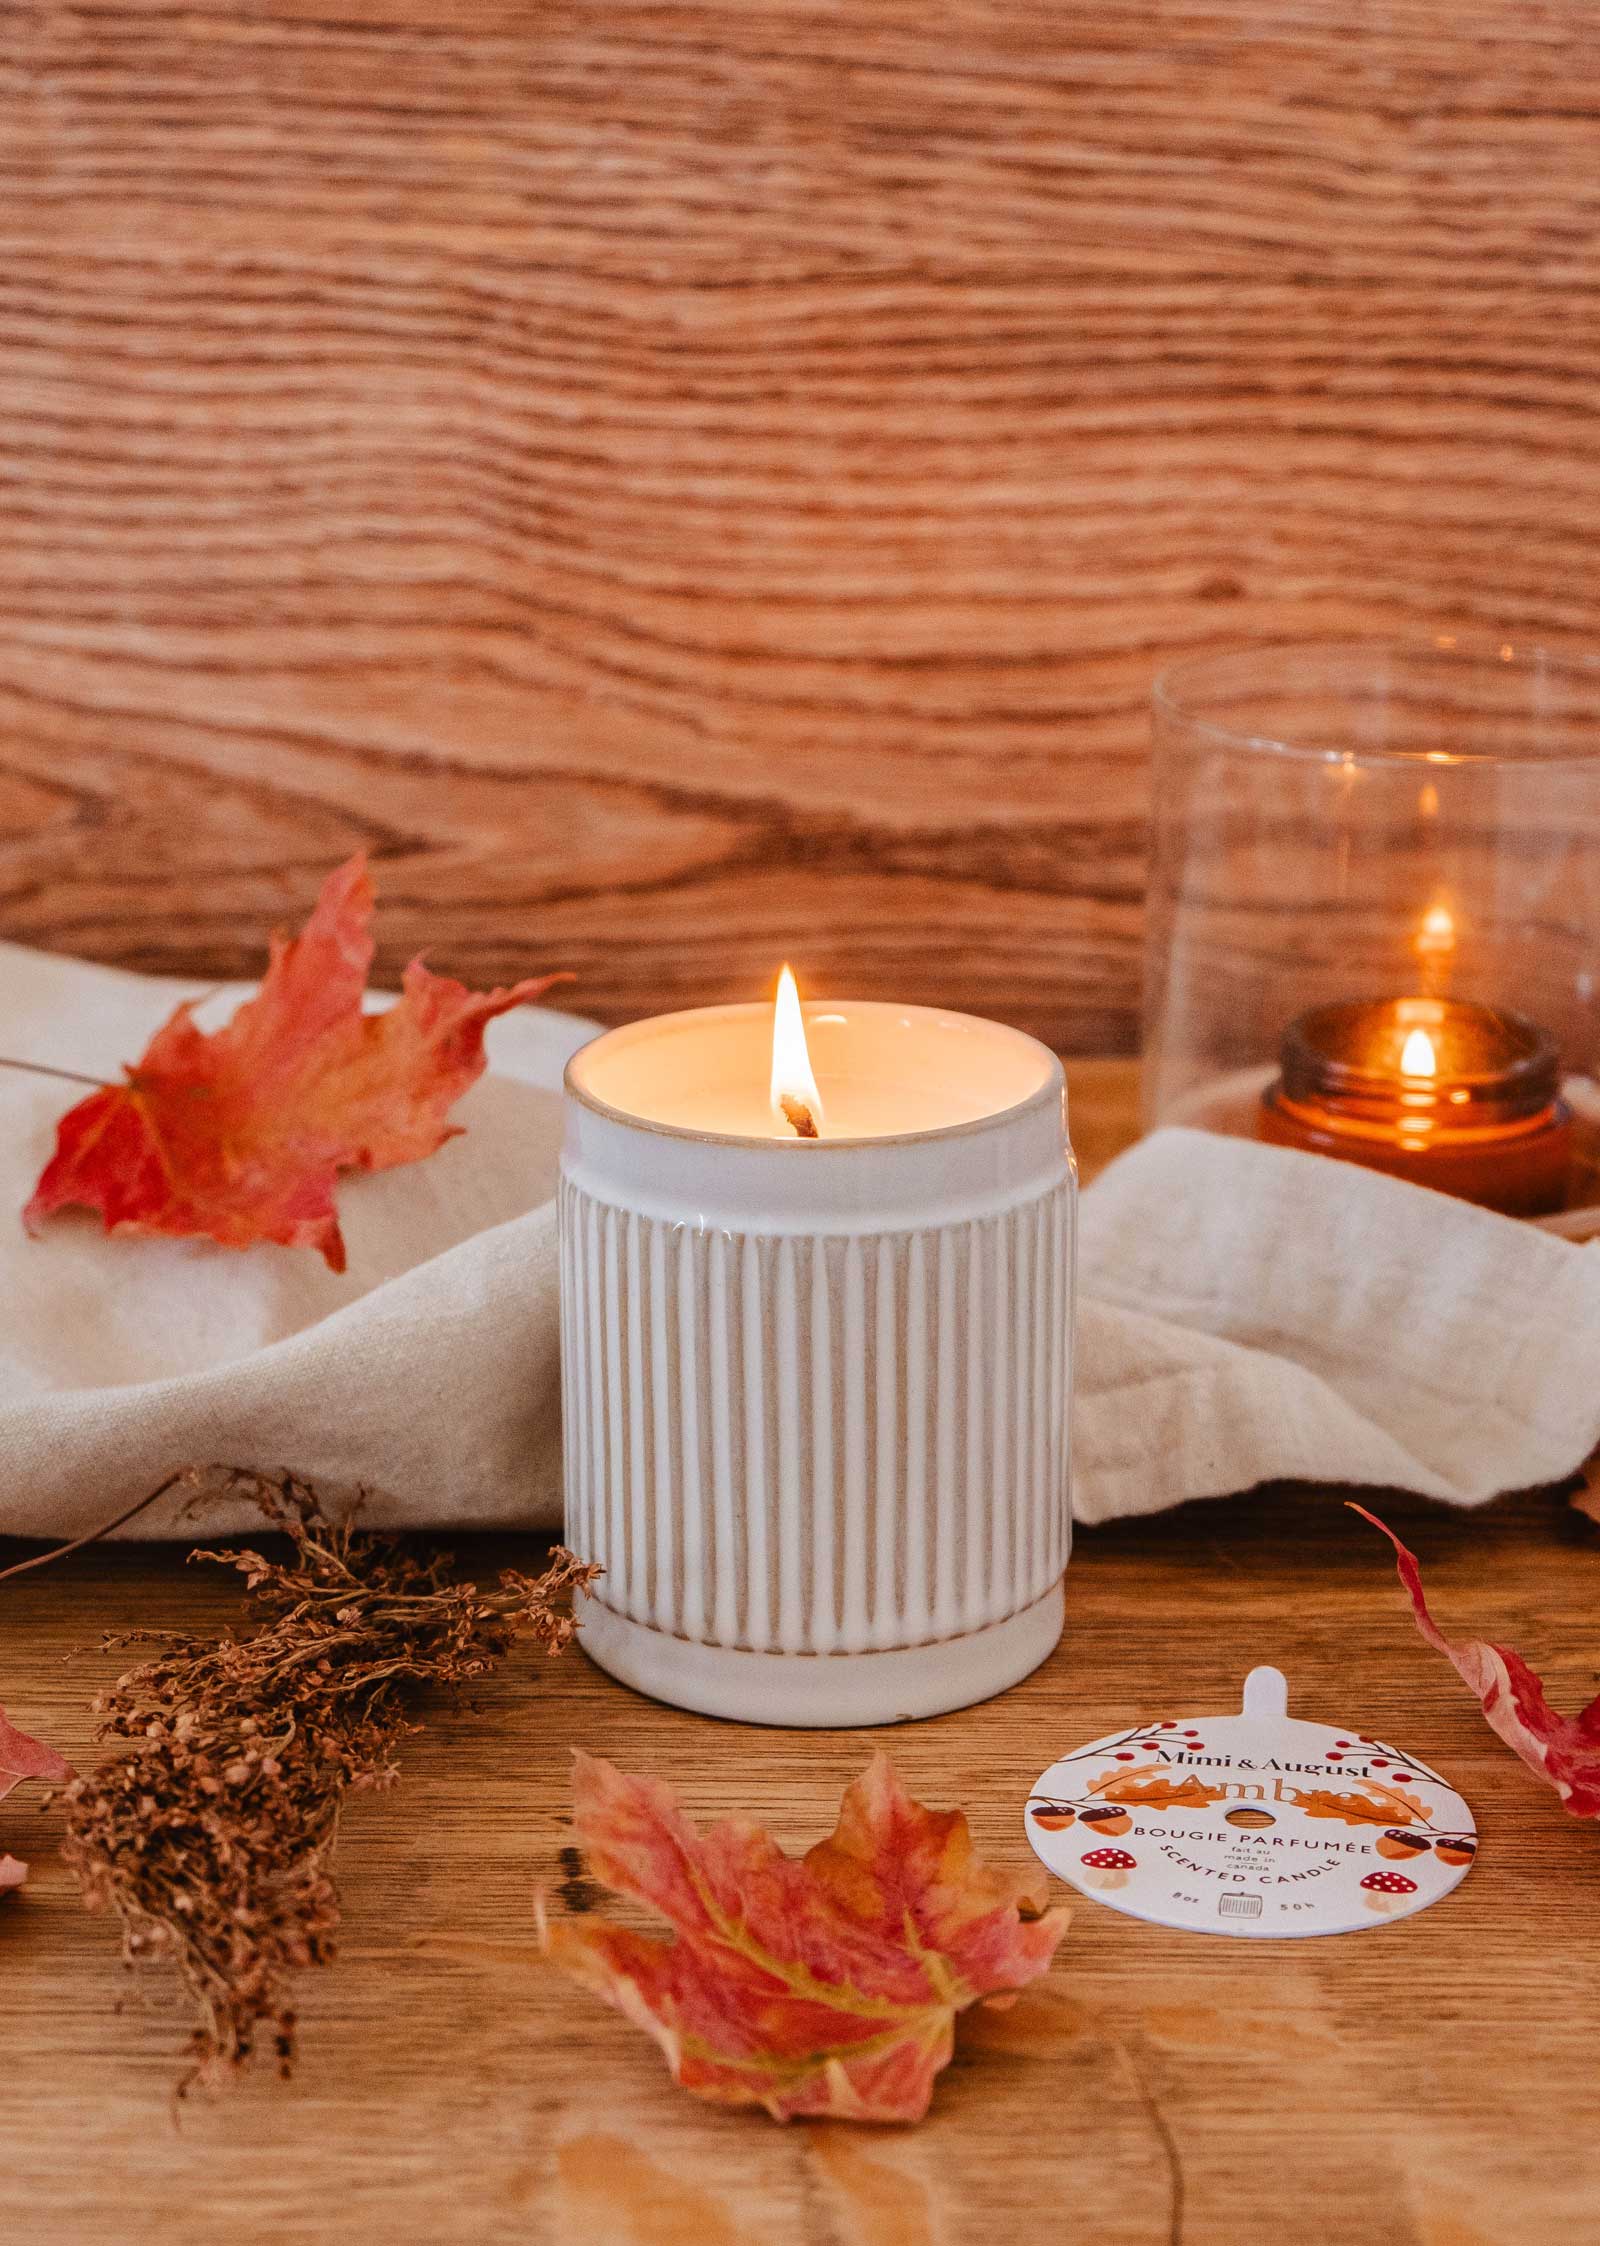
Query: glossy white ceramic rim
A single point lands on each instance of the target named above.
(946, 1174)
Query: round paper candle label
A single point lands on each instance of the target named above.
(1254, 1824)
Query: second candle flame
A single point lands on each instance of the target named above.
(795, 1098)
(1417, 1056)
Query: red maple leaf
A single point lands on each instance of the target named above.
(22, 1758)
(238, 1134)
(1564, 1750)
(824, 1986)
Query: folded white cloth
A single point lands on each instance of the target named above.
(1246, 1314)
(429, 1369)
(1251, 1314)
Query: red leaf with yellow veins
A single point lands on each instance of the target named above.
(1564, 1750)
(22, 1758)
(827, 1986)
(237, 1135)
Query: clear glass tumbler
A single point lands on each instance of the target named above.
(1374, 894)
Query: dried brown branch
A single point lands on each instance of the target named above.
(94, 1535)
(208, 1831)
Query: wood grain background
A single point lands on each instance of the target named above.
(688, 483)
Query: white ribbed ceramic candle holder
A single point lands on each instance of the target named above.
(817, 1392)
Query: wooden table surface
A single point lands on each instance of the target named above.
(1422, 2085)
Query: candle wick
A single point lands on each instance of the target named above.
(797, 1113)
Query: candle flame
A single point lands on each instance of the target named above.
(795, 1098)
(1417, 1056)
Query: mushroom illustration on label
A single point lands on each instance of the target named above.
(1455, 1848)
(1052, 1816)
(1106, 1817)
(1108, 1867)
(1402, 1847)
(1387, 1891)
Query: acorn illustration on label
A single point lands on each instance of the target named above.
(1250, 1820)
(1053, 1816)
(1108, 1867)
(1106, 1817)
(1401, 1846)
(1387, 1891)
(1455, 1848)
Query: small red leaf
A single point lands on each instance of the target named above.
(1564, 1750)
(824, 1986)
(22, 1758)
(237, 1135)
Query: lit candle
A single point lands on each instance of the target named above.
(816, 1314)
(1443, 1091)
(870, 1070)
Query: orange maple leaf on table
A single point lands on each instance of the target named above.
(823, 1986)
(238, 1134)
(22, 1758)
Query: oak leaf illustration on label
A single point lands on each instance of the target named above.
(22, 1758)
(826, 1985)
(238, 1134)
(1167, 1793)
(1564, 1750)
(1354, 1809)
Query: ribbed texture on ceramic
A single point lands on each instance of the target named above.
(804, 1445)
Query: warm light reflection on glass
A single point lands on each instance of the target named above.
(1435, 947)
(794, 1087)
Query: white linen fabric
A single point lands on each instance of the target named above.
(1246, 1314)
(1251, 1314)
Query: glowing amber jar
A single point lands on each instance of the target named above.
(1441, 1091)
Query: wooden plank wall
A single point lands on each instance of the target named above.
(684, 484)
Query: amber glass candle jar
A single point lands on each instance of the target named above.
(1346, 833)
(1453, 1095)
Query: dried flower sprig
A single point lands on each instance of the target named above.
(210, 1828)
